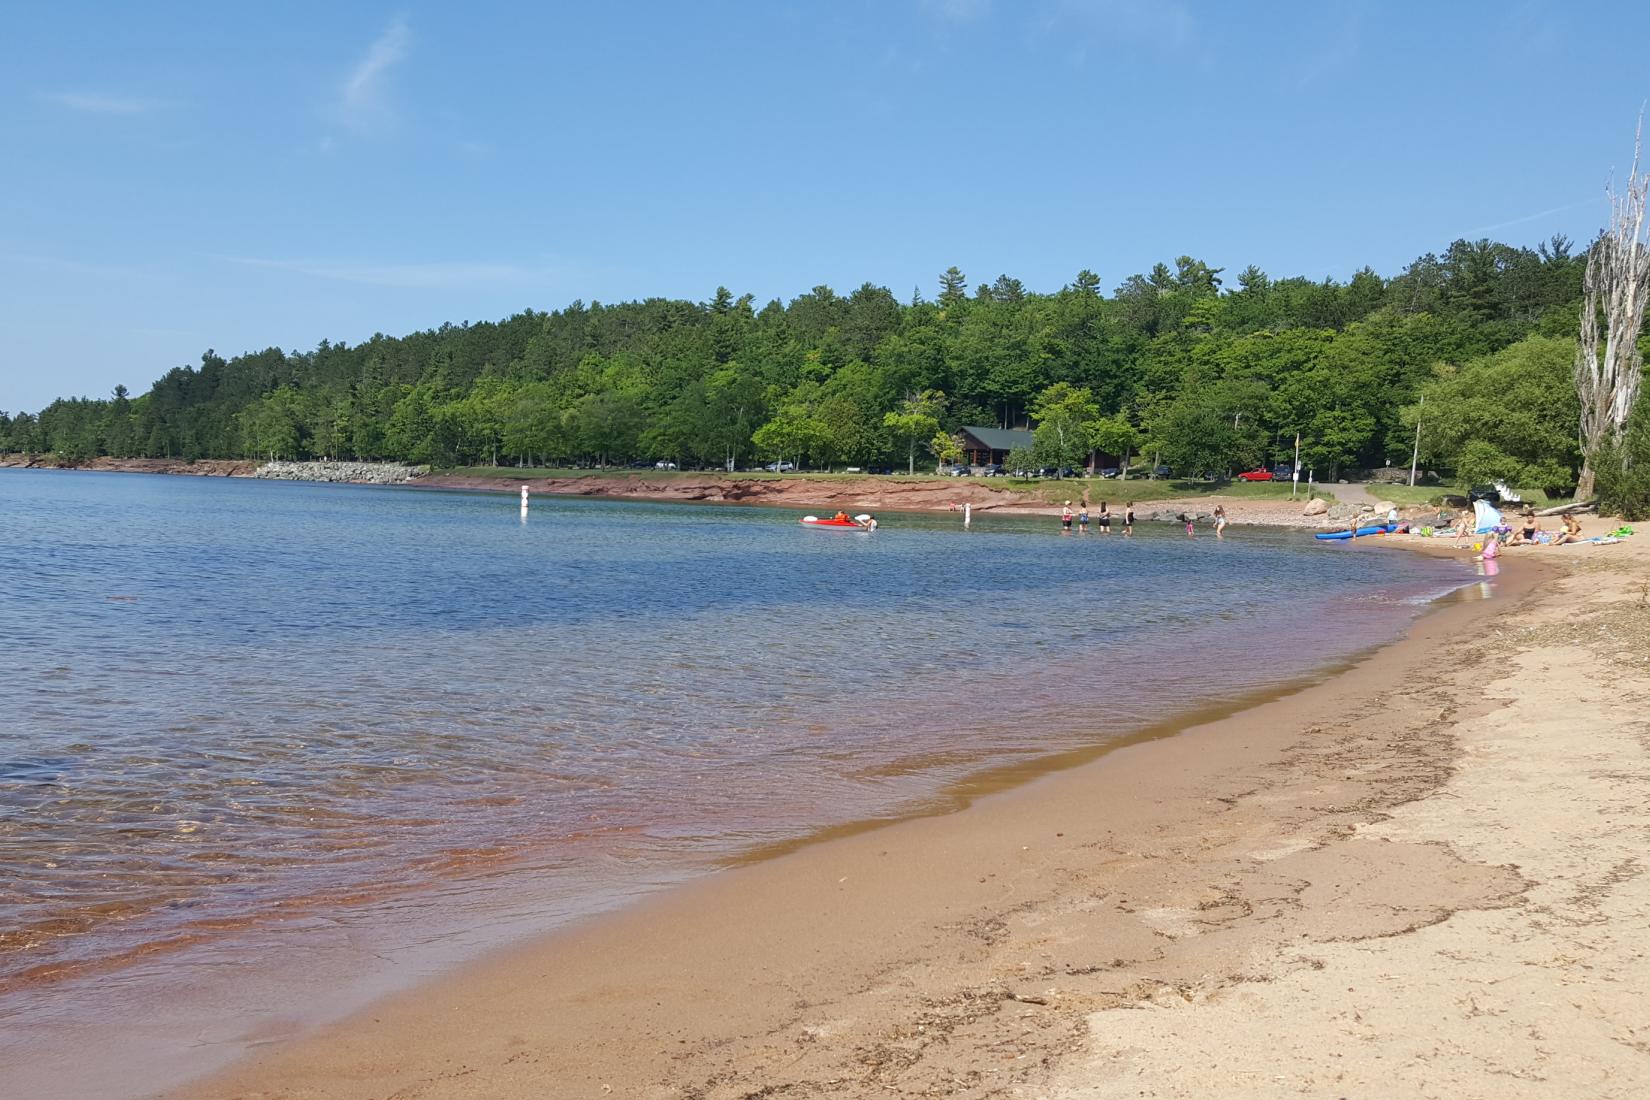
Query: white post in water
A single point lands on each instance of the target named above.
(968, 514)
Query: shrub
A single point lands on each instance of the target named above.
(1624, 469)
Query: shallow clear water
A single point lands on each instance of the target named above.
(243, 713)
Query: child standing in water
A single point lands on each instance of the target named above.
(1083, 520)
(1128, 519)
(1220, 521)
(1105, 518)
(1065, 519)
(1191, 529)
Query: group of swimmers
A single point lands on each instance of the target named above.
(1102, 519)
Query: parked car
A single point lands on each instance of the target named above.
(993, 469)
(663, 464)
(640, 464)
(1283, 471)
(1160, 472)
(780, 467)
(1256, 475)
(959, 470)
(879, 469)
(1109, 471)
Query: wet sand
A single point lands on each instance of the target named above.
(1422, 877)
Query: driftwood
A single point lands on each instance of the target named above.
(1570, 509)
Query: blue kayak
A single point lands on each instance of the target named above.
(1378, 529)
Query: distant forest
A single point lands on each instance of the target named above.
(1183, 364)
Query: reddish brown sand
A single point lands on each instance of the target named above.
(1423, 877)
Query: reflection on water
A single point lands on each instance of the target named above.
(241, 709)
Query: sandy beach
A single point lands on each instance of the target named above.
(1422, 876)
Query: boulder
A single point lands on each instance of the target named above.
(1315, 508)
(1384, 506)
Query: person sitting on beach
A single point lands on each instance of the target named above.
(1525, 534)
(1571, 532)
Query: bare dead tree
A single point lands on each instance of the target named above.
(1616, 289)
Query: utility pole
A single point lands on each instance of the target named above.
(1415, 455)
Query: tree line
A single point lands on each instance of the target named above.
(1198, 370)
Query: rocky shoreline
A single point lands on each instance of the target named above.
(358, 473)
(200, 467)
(868, 493)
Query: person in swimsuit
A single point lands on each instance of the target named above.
(1105, 518)
(1128, 519)
(1492, 549)
(1571, 532)
(1065, 518)
(1525, 535)
(1220, 521)
(1191, 526)
(1463, 529)
(1083, 519)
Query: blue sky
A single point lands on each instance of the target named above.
(177, 177)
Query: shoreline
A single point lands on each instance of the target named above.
(891, 493)
(930, 913)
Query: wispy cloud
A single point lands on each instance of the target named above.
(1330, 56)
(1537, 216)
(364, 104)
(1157, 22)
(956, 9)
(100, 103)
(431, 275)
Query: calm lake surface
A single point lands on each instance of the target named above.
(268, 749)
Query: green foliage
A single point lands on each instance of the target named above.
(1511, 416)
(1215, 374)
(1624, 469)
(1063, 413)
(916, 420)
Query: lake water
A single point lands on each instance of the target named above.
(253, 733)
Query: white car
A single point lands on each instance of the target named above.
(780, 467)
(663, 465)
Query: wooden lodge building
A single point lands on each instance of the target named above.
(984, 446)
